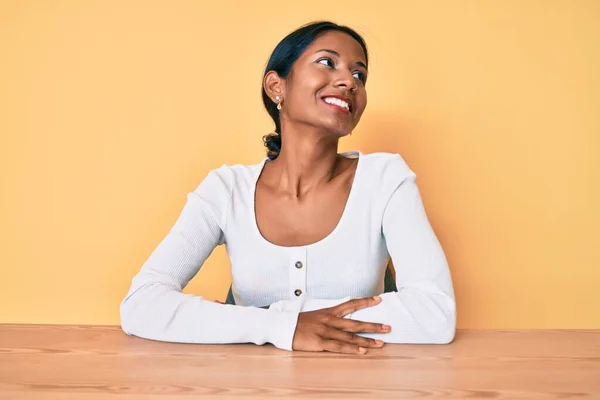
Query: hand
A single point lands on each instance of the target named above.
(327, 330)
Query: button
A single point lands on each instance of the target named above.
(297, 292)
(298, 264)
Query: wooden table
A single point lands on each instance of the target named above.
(99, 362)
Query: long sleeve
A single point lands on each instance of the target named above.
(155, 308)
(423, 310)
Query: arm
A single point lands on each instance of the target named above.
(155, 308)
(423, 310)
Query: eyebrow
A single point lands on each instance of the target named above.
(335, 53)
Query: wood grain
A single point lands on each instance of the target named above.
(100, 362)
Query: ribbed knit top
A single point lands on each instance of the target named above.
(383, 217)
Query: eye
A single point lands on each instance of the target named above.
(360, 76)
(326, 61)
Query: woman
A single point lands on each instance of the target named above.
(309, 232)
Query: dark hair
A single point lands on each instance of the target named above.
(283, 58)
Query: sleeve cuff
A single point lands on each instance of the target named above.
(281, 328)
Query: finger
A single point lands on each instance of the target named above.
(351, 338)
(335, 346)
(350, 325)
(356, 304)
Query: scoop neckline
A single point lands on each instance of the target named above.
(347, 206)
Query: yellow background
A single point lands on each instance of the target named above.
(112, 111)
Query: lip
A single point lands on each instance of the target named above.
(337, 96)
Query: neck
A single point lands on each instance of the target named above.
(307, 159)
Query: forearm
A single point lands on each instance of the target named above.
(161, 313)
(416, 315)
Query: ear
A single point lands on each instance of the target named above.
(274, 85)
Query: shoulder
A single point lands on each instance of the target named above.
(384, 174)
(386, 169)
(223, 179)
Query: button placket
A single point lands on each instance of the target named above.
(297, 273)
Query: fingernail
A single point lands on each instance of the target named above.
(362, 350)
(379, 342)
(377, 298)
(386, 327)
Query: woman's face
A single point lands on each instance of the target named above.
(326, 86)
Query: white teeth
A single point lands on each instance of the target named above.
(337, 102)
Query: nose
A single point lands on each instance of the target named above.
(346, 80)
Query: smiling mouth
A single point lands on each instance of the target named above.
(338, 104)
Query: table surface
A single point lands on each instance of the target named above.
(101, 362)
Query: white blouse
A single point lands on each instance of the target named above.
(384, 216)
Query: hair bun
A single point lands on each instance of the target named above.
(273, 144)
